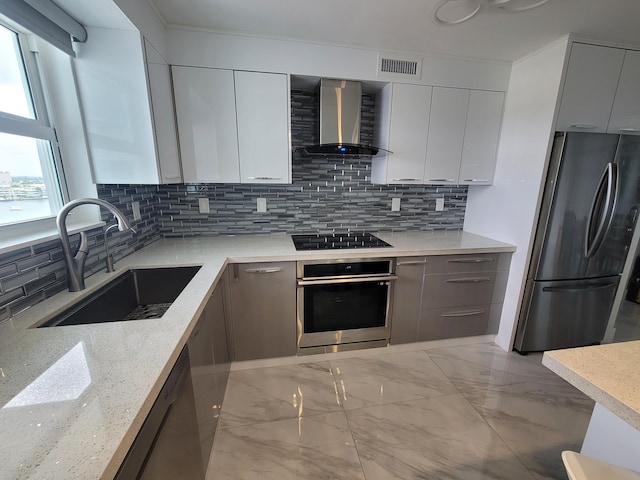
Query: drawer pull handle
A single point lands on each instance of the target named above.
(263, 270)
(629, 129)
(264, 178)
(468, 280)
(583, 126)
(476, 180)
(471, 260)
(464, 314)
(442, 179)
(422, 262)
(405, 179)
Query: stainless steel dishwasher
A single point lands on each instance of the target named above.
(168, 445)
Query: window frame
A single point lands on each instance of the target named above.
(37, 67)
(41, 127)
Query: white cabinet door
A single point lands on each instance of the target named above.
(262, 103)
(164, 121)
(625, 116)
(409, 123)
(446, 135)
(112, 84)
(206, 115)
(482, 133)
(589, 88)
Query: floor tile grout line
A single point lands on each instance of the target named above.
(502, 439)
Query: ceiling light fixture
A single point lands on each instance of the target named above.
(453, 12)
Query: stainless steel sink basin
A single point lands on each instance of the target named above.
(135, 295)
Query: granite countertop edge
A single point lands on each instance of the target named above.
(605, 373)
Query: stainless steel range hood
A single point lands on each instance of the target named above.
(340, 105)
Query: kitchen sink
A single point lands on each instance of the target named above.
(136, 295)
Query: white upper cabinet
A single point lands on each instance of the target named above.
(206, 113)
(402, 129)
(446, 135)
(481, 137)
(437, 135)
(164, 119)
(263, 113)
(625, 115)
(233, 126)
(116, 92)
(590, 87)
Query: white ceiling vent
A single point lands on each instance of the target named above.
(399, 66)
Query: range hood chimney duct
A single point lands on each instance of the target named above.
(340, 107)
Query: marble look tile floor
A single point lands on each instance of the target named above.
(464, 412)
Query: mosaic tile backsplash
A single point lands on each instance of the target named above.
(326, 195)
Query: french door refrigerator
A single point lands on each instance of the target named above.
(586, 223)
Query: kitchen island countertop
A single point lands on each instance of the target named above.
(73, 398)
(609, 374)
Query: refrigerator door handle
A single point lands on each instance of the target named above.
(577, 289)
(594, 240)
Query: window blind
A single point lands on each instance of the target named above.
(45, 19)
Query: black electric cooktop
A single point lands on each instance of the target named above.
(331, 241)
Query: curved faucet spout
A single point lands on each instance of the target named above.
(75, 263)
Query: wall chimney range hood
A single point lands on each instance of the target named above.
(340, 106)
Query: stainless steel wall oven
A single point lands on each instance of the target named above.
(344, 304)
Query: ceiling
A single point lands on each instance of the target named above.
(407, 25)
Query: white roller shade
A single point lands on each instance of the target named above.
(45, 19)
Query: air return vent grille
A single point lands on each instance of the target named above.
(399, 66)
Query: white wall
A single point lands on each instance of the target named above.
(507, 211)
(146, 20)
(207, 49)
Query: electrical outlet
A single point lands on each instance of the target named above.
(439, 204)
(203, 205)
(135, 207)
(395, 204)
(261, 205)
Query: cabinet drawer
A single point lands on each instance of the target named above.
(439, 323)
(483, 262)
(471, 288)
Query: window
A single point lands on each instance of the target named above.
(31, 182)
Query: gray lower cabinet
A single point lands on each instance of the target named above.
(263, 309)
(210, 364)
(407, 299)
(462, 295)
(447, 296)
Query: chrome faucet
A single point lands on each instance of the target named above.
(75, 262)
(110, 267)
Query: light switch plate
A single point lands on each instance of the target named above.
(395, 204)
(135, 207)
(262, 205)
(203, 205)
(439, 204)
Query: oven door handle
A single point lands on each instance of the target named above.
(324, 281)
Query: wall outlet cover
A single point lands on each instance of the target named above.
(439, 204)
(203, 205)
(261, 205)
(135, 207)
(395, 204)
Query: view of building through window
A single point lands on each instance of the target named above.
(29, 187)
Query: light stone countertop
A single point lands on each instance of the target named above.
(609, 374)
(73, 398)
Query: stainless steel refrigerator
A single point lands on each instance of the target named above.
(586, 223)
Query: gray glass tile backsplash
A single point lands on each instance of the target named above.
(327, 194)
